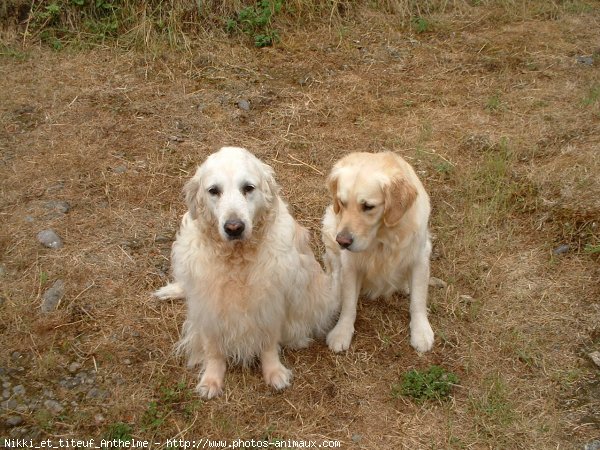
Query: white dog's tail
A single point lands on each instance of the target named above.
(171, 291)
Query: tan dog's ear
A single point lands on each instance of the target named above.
(399, 197)
(192, 199)
(332, 184)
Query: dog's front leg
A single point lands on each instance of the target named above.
(215, 364)
(275, 373)
(340, 337)
(421, 334)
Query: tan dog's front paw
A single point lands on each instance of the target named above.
(421, 336)
(339, 338)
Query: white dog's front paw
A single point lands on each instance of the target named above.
(421, 336)
(209, 387)
(278, 377)
(339, 338)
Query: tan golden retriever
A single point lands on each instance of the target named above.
(247, 272)
(379, 220)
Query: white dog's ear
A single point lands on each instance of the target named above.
(399, 197)
(269, 186)
(192, 199)
(332, 184)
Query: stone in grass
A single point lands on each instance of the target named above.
(13, 421)
(595, 356)
(59, 206)
(49, 238)
(244, 105)
(594, 445)
(53, 407)
(52, 296)
(437, 283)
(561, 249)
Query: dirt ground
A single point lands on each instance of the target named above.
(498, 114)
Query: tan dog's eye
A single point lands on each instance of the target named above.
(367, 207)
(214, 191)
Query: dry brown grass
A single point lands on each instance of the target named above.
(493, 110)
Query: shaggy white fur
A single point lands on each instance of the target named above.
(380, 214)
(247, 272)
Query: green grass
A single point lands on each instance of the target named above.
(433, 384)
(592, 95)
(492, 408)
(119, 431)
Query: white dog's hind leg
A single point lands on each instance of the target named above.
(170, 291)
(275, 373)
(421, 334)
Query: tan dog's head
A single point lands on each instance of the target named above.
(231, 191)
(369, 191)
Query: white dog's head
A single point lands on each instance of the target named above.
(231, 190)
(371, 192)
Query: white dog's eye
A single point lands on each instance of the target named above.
(247, 188)
(214, 191)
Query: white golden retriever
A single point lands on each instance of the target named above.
(379, 218)
(247, 272)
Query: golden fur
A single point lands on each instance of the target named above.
(379, 217)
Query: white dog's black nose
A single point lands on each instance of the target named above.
(234, 228)
(344, 239)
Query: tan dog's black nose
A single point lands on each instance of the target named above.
(234, 228)
(344, 239)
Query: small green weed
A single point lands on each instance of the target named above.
(433, 384)
(255, 21)
(493, 409)
(420, 24)
(592, 96)
(119, 431)
(493, 104)
(592, 249)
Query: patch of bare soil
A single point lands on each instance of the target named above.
(498, 117)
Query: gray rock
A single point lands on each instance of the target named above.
(54, 407)
(466, 299)
(19, 390)
(29, 219)
(595, 356)
(96, 393)
(244, 105)
(74, 367)
(9, 404)
(59, 206)
(120, 169)
(13, 421)
(561, 249)
(127, 361)
(50, 239)
(22, 409)
(356, 438)
(5, 394)
(6, 384)
(52, 296)
(594, 445)
(587, 60)
(16, 356)
(48, 393)
(437, 283)
(70, 382)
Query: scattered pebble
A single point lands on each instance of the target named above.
(50, 239)
(594, 445)
(59, 206)
(97, 393)
(99, 418)
(29, 219)
(13, 421)
(176, 139)
(127, 361)
(437, 283)
(466, 298)
(19, 390)
(5, 394)
(244, 105)
(53, 406)
(561, 249)
(595, 356)
(356, 438)
(587, 60)
(120, 169)
(74, 367)
(52, 296)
